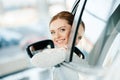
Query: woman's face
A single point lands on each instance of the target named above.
(60, 31)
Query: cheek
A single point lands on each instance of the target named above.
(53, 38)
(67, 35)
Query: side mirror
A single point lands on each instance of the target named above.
(32, 49)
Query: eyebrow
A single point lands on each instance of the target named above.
(61, 27)
(58, 28)
(51, 30)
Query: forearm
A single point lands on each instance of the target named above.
(49, 57)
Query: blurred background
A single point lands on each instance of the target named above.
(23, 22)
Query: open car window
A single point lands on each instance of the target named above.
(97, 26)
(77, 11)
(102, 22)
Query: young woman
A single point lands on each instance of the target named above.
(60, 28)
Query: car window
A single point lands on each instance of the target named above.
(103, 23)
(93, 32)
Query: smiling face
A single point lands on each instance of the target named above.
(60, 31)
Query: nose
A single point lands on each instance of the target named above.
(57, 35)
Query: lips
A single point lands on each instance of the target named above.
(60, 41)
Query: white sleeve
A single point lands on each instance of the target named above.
(49, 57)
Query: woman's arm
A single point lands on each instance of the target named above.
(49, 57)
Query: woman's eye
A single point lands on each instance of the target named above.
(52, 32)
(62, 30)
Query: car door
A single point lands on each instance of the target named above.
(105, 48)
